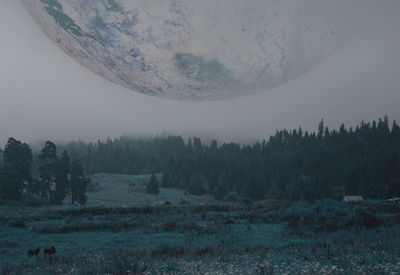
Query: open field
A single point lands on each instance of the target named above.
(266, 237)
(113, 190)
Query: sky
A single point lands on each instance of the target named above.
(45, 94)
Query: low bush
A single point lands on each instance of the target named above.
(85, 227)
(9, 244)
(169, 226)
(163, 249)
(18, 223)
(330, 216)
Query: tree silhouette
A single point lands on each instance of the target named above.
(47, 170)
(166, 180)
(79, 182)
(153, 186)
(61, 178)
(20, 155)
(11, 182)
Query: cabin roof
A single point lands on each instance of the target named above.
(353, 198)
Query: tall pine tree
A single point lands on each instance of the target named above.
(61, 178)
(79, 182)
(20, 156)
(153, 186)
(47, 170)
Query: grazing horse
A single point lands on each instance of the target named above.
(50, 251)
(33, 252)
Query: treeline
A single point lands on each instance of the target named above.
(55, 178)
(291, 165)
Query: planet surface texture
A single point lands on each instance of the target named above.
(192, 49)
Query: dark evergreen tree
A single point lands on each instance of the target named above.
(166, 181)
(61, 178)
(196, 184)
(11, 182)
(33, 186)
(153, 185)
(393, 188)
(256, 187)
(47, 170)
(181, 181)
(20, 155)
(321, 129)
(1, 157)
(221, 189)
(79, 182)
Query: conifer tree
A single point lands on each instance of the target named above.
(79, 182)
(47, 170)
(166, 181)
(11, 182)
(196, 184)
(20, 156)
(61, 178)
(153, 186)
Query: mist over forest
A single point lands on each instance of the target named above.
(290, 165)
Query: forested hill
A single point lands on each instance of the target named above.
(292, 165)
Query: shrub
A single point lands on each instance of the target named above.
(169, 226)
(298, 210)
(163, 249)
(9, 244)
(18, 224)
(332, 207)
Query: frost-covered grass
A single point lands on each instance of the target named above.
(269, 237)
(358, 256)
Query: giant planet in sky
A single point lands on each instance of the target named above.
(196, 49)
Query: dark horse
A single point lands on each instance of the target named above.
(50, 251)
(33, 252)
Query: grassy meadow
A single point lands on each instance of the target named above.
(119, 232)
